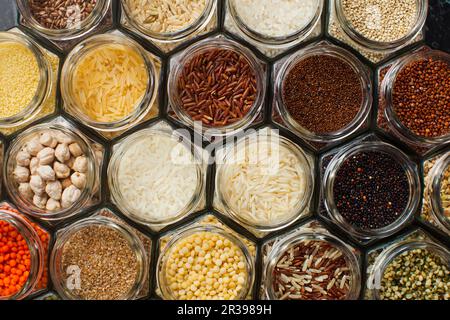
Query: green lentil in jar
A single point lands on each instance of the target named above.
(416, 275)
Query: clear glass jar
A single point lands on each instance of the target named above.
(26, 205)
(169, 40)
(162, 283)
(227, 159)
(176, 68)
(59, 275)
(281, 113)
(74, 59)
(114, 181)
(271, 45)
(340, 28)
(295, 238)
(44, 87)
(434, 182)
(387, 118)
(38, 247)
(84, 27)
(391, 252)
(411, 172)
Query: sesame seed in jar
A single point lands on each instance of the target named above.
(381, 20)
(276, 18)
(165, 16)
(205, 265)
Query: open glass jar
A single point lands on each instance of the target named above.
(251, 75)
(169, 28)
(336, 57)
(156, 177)
(373, 31)
(43, 70)
(34, 274)
(413, 256)
(113, 253)
(289, 275)
(37, 179)
(264, 166)
(274, 27)
(208, 241)
(118, 115)
(77, 26)
(354, 162)
(388, 118)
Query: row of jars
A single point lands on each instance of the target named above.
(147, 106)
(49, 263)
(339, 25)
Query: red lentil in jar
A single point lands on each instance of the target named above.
(17, 248)
(421, 96)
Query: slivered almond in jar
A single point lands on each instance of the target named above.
(164, 16)
(325, 283)
(109, 82)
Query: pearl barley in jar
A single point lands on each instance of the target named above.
(265, 182)
(154, 178)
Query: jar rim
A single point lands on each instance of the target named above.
(198, 48)
(353, 34)
(437, 176)
(76, 56)
(325, 49)
(291, 240)
(259, 37)
(44, 85)
(34, 246)
(24, 204)
(388, 255)
(387, 92)
(185, 32)
(64, 235)
(296, 212)
(410, 170)
(86, 25)
(113, 179)
(189, 231)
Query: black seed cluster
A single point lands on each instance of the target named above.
(371, 190)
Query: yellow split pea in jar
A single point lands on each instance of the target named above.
(205, 263)
(109, 82)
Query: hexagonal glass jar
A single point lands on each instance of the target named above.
(37, 240)
(139, 243)
(281, 115)
(282, 35)
(93, 152)
(167, 41)
(383, 256)
(274, 249)
(340, 27)
(330, 165)
(99, 20)
(436, 197)
(388, 121)
(44, 100)
(145, 109)
(211, 224)
(177, 64)
(236, 151)
(197, 160)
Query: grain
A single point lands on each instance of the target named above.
(61, 14)
(323, 94)
(217, 87)
(165, 16)
(421, 97)
(19, 76)
(108, 266)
